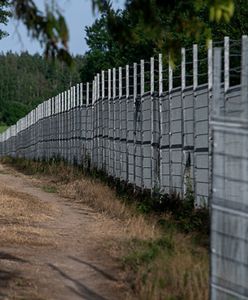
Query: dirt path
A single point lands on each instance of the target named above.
(55, 250)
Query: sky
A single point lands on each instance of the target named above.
(78, 14)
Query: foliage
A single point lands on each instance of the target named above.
(49, 188)
(4, 16)
(144, 252)
(168, 23)
(238, 25)
(182, 17)
(105, 50)
(48, 27)
(122, 37)
(27, 80)
(168, 267)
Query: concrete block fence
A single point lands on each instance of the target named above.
(133, 122)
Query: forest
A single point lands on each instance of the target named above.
(26, 80)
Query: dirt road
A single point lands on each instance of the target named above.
(51, 247)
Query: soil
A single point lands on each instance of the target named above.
(71, 262)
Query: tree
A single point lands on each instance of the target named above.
(50, 28)
(4, 16)
(27, 80)
(108, 51)
(120, 37)
(237, 26)
(172, 23)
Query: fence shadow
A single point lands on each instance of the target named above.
(6, 276)
(82, 290)
(7, 256)
(102, 272)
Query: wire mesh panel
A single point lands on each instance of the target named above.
(88, 157)
(155, 142)
(117, 163)
(111, 137)
(94, 135)
(188, 138)
(229, 237)
(123, 137)
(105, 133)
(165, 144)
(138, 141)
(229, 205)
(100, 134)
(146, 139)
(74, 132)
(77, 134)
(83, 132)
(233, 101)
(130, 138)
(97, 147)
(176, 140)
(201, 120)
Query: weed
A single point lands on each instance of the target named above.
(49, 189)
(143, 251)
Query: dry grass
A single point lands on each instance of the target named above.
(178, 274)
(103, 199)
(160, 263)
(20, 216)
(175, 274)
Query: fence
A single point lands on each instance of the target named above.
(146, 124)
(229, 205)
(149, 125)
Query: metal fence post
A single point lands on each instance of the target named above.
(226, 64)
(135, 121)
(217, 99)
(108, 120)
(169, 106)
(244, 77)
(195, 85)
(127, 125)
(160, 116)
(103, 122)
(113, 124)
(152, 120)
(142, 91)
(210, 111)
(185, 169)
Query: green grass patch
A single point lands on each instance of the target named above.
(145, 252)
(3, 128)
(169, 267)
(49, 189)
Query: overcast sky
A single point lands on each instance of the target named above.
(78, 14)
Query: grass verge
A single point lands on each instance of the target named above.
(20, 216)
(163, 245)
